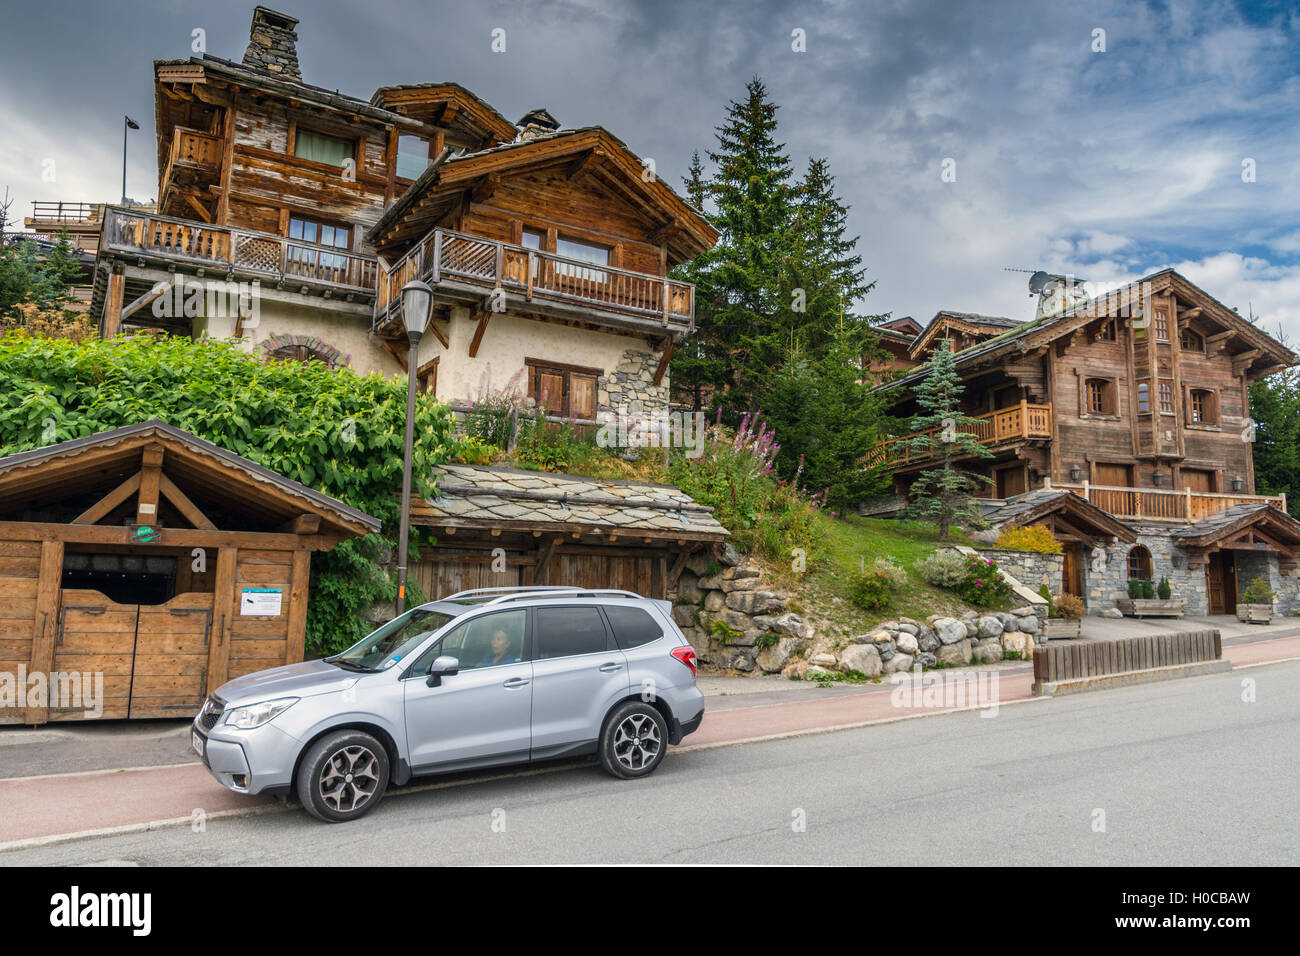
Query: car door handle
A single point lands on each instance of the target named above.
(516, 682)
(610, 668)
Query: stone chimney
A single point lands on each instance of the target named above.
(536, 123)
(273, 44)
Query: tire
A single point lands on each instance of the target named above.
(342, 776)
(633, 740)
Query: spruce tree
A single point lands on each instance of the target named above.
(943, 495)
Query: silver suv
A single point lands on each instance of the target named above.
(481, 678)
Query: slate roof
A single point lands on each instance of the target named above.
(1033, 505)
(1023, 503)
(493, 496)
(1221, 521)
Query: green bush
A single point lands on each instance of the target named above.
(870, 591)
(1046, 594)
(333, 430)
(892, 570)
(1164, 589)
(943, 569)
(984, 585)
(1135, 588)
(1258, 592)
(1033, 538)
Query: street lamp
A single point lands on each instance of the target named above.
(416, 296)
(127, 124)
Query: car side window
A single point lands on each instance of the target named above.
(490, 640)
(633, 626)
(569, 631)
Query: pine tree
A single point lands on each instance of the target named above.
(943, 495)
(696, 187)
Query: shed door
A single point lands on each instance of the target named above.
(171, 657)
(95, 636)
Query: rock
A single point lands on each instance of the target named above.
(989, 626)
(791, 624)
(988, 536)
(987, 651)
(795, 670)
(881, 637)
(861, 657)
(1008, 620)
(972, 629)
(928, 641)
(887, 650)
(1112, 612)
(825, 660)
(711, 584)
(926, 660)
(1029, 647)
(969, 616)
(899, 662)
(683, 615)
(739, 584)
(1022, 611)
(688, 588)
(949, 630)
(714, 600)
(743, 661)
(891, 626)
(1029, 624)
(955, 655)
(699, 562)
(907, 627)
(735, 574)
(728, 555)
(906, 643)
(774, 657)
(755, 602)
(1015, 642)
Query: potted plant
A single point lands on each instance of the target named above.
(1142, 600)
(1065, 617)
(1256, 605)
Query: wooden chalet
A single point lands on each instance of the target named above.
(161, 561)
(500, 527)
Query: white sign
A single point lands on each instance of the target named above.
(260, 602)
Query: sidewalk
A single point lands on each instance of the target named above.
(63, 804)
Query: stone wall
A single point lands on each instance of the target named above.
(1029, 567)
(630, 389)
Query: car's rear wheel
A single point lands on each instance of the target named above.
(633, 741)
(342, 776)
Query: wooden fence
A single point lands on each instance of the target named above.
(1061, 662)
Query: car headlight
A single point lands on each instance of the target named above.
(255, 715)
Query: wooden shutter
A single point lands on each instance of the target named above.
(582, 397)
(550, 392)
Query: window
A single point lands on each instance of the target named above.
(1191, 341)
(313, 263)
(1166, 398)
(1205, 409)
(569, 631)
(1106, 333)
(1160, 321)
(1139, 563)
(491, 640)
(1144, 398)
(564, 390)
(585, 252)
(531, 239)
(300, 353)
(389, 644)
(321, 233)
(632, 626)
(330, 150)
(412, 156)
(1100, 397)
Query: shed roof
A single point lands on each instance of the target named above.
(511, 499)
(1034, 505)
(1229, 522)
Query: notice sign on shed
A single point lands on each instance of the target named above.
(260, 602)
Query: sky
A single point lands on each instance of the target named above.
(1105, 140)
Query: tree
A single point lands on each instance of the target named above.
(30, 275)
(1275, 410)
(942, 495)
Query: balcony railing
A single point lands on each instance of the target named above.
(452, 258)
(68, 212)
(192, 148)
(1018, 423)
(221, 247)
(1163, 505)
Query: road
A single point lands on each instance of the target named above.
(1184, 772)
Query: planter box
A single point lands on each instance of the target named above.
(1151, 607)
(1255, 613)
(1058, 628)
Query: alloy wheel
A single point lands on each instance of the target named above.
(637, 742)
(349, 779)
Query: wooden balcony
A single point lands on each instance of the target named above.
(466, 269)
(1159, 504)
(171, 241)
(1006, 426)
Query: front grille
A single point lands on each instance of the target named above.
(211, 712)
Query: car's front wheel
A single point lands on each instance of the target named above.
(633, 741)
(342, 776)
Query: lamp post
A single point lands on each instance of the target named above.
(416, 296)
(127, 124)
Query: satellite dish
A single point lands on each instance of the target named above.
(1038, 282)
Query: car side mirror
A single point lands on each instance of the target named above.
(440, 668)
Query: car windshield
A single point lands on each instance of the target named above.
(392, 642)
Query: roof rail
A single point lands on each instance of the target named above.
(515, 589)
(551, 591)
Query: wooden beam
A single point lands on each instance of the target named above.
(183, 504)
(303, 524)
(585, 163)
(112, 323)
(110, 501)
(224, 602)
(41, 660)
(197, 206)
(485, 187)
(483, 318)
(299, 575)
(664, 359)
(679, 565)
(161, 289)
(544, 553)
(146, 505)
(665, 231)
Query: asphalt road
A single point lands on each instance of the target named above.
(1183, 772)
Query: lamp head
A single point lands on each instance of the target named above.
(416, 298)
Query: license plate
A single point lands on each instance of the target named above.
(196, 742)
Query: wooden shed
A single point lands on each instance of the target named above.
(160, 561)
(502, 527)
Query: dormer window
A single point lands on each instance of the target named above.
(1160, 321)
(412, 156)
(1191, 341)
(1106, 332)
(320, 148)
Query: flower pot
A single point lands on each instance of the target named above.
(1255, 613)
(1058, 628)
(1151, 607)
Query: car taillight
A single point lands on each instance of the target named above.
(687, 656)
